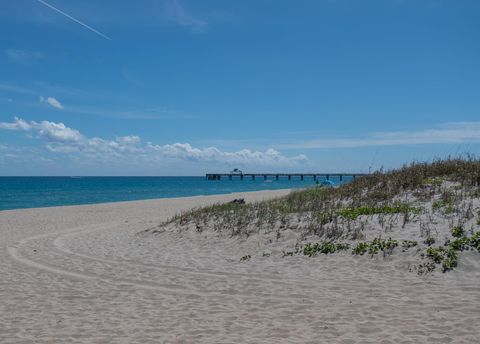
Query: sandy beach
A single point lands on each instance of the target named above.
(84, 274)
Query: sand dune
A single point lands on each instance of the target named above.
(83, 274)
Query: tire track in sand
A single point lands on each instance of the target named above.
(184, 289)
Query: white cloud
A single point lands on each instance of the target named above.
(62, 139)
(57, 132)
(448, 133)
(245, 156)
(18, 124)
(51, 101)
(51, 131)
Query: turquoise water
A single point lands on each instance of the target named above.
(33, 192)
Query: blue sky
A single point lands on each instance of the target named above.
(183, 87)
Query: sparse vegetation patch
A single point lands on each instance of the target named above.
(376, 245)
(326, 247)
(352, 213)
(439, 198)
(447, 255)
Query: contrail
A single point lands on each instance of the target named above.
(74, 19)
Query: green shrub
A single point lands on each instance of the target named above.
(457, 231)
(474, 241)
(406, 244)
(432, 181)
(384, 244)
(437, 204)
(425, 268)
(446, 204)
(429, 241)
(343, 246)
(376, 245)
(436, 254)
(448, 254)
(361, 248)
(450, 260)
(326, 247)
(459, 244)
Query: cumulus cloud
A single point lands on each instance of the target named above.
(51, 101)
(245, 156)
(17, 124)
(51, 131)
(62, 139)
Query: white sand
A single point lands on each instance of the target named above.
(82, 274)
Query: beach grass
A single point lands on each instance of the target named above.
(341, 217)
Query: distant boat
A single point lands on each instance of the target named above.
(236, 171)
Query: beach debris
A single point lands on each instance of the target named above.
(238, 201)
(245, 258)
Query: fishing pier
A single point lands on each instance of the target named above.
(277, 176)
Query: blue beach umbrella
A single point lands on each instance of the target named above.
(327, 183)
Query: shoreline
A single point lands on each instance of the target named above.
(151, 199)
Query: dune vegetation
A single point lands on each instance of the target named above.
(432, 208)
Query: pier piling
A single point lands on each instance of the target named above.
(314, 176)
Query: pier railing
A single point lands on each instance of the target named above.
(277, 176)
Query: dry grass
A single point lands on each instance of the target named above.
(420, 193)
(335, 212)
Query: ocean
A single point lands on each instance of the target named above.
(33, 192)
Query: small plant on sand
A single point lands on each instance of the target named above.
(425, 268)
(474, 241)
(436, 254)
(245, 258)
(326, 247)
(448, 257)
(383, 245)
(457, 231)
(429, 241)
(432, 181)
(459, 244)
(343, 246)
(449, 209)
(361, 248)
(323, 217)
(450, 260)
(406, 244)
(448, 254)
(375, 246)
(445, 204)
